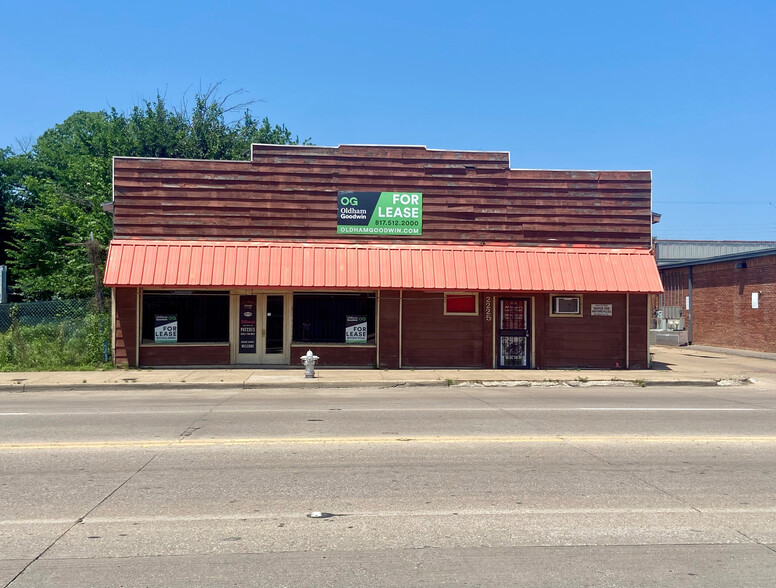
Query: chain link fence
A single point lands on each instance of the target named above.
(53, 335)
(49, 311)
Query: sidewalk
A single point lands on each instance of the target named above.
(688, 366)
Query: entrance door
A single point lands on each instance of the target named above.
(260, 329)
(514, 350)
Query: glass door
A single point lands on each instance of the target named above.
(513, 333)
(273, 334)
(261, 328)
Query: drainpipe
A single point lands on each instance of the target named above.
(689, 310)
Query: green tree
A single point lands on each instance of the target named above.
(7, 182)
(13, 168)
(52, 196)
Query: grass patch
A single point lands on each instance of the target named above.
(67, 344)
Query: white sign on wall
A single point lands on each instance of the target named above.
(600, 310)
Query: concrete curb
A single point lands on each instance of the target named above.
(318, 384)
(688, 383)
(734, 352)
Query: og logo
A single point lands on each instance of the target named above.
(349, 201)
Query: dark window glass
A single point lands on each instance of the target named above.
(461, 303)
(274, 339)
(320, 318)
(202, 318)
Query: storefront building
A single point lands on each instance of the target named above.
(379, 256)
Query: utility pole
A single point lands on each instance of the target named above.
(93, 250)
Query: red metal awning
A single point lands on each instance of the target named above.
(371, 266)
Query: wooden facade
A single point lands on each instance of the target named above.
(432, 339)
(125, 320)
(160, 355)
(289, 193)
(338, 355)
(414, 332)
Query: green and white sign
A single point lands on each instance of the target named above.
(355, 329)
(165, 328)
(380, 213)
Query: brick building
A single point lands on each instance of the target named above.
(379, 256)
(724, 300)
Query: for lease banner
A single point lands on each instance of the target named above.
(380, 213)
(355, 329)
(165, 328)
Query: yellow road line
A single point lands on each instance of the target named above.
(503, 439)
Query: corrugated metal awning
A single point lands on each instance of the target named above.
(372, 266)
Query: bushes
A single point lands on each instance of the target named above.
(65, 344)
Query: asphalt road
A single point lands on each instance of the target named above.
(425, 486)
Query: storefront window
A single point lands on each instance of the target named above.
(324, 318)
(173, 317)
(462, 303)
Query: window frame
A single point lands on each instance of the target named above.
(371, 314)
(580, 300)
(142, 317)
(453, 313)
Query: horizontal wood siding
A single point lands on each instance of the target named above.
(125, 327)
(432, 339)
(539, 313)
(290, 193)
(159, 355)
(587, 341)
(639, 334)
(337, 356)
(388, 329)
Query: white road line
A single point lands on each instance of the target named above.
(649, 409)
(182, 444)
(420, 409)
(377, 514)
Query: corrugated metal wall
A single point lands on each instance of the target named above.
(676, 251)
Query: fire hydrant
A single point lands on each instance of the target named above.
(308, 360)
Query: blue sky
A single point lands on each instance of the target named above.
(685, 89)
